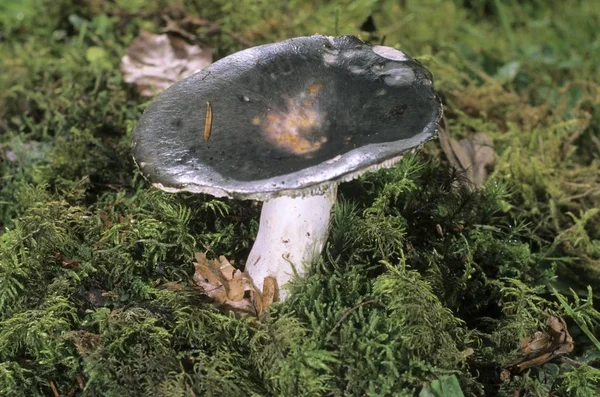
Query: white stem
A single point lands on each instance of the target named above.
(292, 232)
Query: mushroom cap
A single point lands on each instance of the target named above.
(288, 118)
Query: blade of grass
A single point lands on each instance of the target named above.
(576, 317)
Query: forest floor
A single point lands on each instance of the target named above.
(428, 285)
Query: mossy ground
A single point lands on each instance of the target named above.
(421, 278)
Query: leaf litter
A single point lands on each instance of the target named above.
(230, 288)
(154, 62)
(474, 156)
(541, 347)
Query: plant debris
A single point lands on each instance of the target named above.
(475, 156)
(543, 346)
(208, 122)
(231, 288)
(154, 62)
(66, 263)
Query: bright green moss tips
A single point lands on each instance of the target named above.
(424, 284)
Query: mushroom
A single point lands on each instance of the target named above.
(285, 123)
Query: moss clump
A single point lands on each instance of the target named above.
(423, 280)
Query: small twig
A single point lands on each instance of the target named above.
(568, 360)
(54, 389)
(346, 314)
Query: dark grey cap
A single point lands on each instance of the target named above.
(287, 118)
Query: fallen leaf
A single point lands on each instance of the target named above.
(231, 288)
(269, 292)
(210, 282)
(475, 155)
(154, 62)
(235, 280)
(543, 346)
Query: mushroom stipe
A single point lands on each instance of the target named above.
(315, 111)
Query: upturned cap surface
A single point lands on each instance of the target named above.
(287, 118)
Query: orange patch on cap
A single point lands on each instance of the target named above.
(314, 88)
(296, 130)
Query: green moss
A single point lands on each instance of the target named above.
(422, 280)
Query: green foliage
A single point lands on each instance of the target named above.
(581, 381)
(425, 286)
(290, 359)
(582, 311)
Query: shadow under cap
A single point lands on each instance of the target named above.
(288, 118)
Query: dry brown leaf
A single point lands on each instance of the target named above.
(235, 280)
(543, 346)
(231, 288)
(475, 156)
(269, 292)
(154, 62)
(539, 341)
(209, 279)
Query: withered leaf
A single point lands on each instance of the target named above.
(210, 282)
(231, 288)
(543, 346)
(539, 341)
(235, 280)
(154, 62)
(269, 292)
(475, 155)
